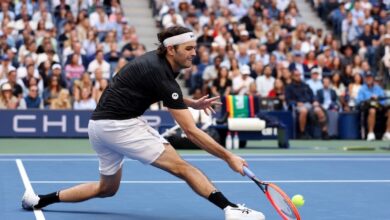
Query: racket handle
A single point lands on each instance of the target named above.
(248, 172)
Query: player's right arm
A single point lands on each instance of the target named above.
(204, 141)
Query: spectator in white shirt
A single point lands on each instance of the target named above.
(99, 62)
(242, 82)
(265, 82)
(315, 82)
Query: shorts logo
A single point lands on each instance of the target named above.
(175, 95)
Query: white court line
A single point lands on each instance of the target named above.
(217, 181)
(214, 159)
(27, 184)
(208, 155)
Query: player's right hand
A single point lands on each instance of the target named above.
(236, 163)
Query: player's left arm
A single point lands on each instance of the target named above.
(205, 103)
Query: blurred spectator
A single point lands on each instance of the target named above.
(33, 101)
(278, 94)
(79, 51)
(172, 19)
(52, 91)
(90, 44)
(300, 95)
(353, 90)
(7, 100)
(56, 70)
(314, 82)
(62, 101)
(372, 93)
(210, 73)
(129, 50)
(30, 75)
(340, 90)
(121, 63)
(310, 60)
(382, 57)
(86, 101)
(99, 21)
(16, 84)
(5, 66)
(84, 82)
(327, 96)
(98, 89)
(74, 69)
(242, 82)
(299, 63)
(265, 82)
(222, 85)
(99, 62)
(237, 9)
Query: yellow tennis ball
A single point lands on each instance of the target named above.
(298, 200)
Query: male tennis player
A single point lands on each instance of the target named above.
(116, 129)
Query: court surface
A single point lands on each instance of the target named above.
(354, 186)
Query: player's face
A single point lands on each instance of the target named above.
(184, 54)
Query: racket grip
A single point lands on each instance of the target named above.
(248, 172)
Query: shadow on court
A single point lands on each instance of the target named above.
(85, 214)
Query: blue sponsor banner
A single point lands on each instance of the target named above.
(59, 123)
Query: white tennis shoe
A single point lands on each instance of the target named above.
(371, 136)
(29, 200)
(242, 213)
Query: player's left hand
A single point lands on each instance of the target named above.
(206, 103)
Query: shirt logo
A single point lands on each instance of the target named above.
(175, 95)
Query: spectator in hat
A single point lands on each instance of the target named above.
(314, 82)
(372, 92)
(16, 84)
(241, 83)
(298, 63)
(7, 99)
(5, 66)
(56, 70)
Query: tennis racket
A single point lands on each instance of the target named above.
(279, 199)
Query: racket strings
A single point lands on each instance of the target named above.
(281, 204)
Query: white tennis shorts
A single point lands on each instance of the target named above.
(114, 139)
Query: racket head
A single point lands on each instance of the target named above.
(281, 202)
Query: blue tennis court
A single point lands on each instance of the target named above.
(335, 187)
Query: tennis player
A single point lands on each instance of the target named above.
(116, 129)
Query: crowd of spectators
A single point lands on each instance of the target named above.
(265, 48)
(63, 53)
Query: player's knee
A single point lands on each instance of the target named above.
(107, 192)
(372, 111)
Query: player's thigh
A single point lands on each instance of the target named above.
(170, 161)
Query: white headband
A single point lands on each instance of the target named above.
(179, 39)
